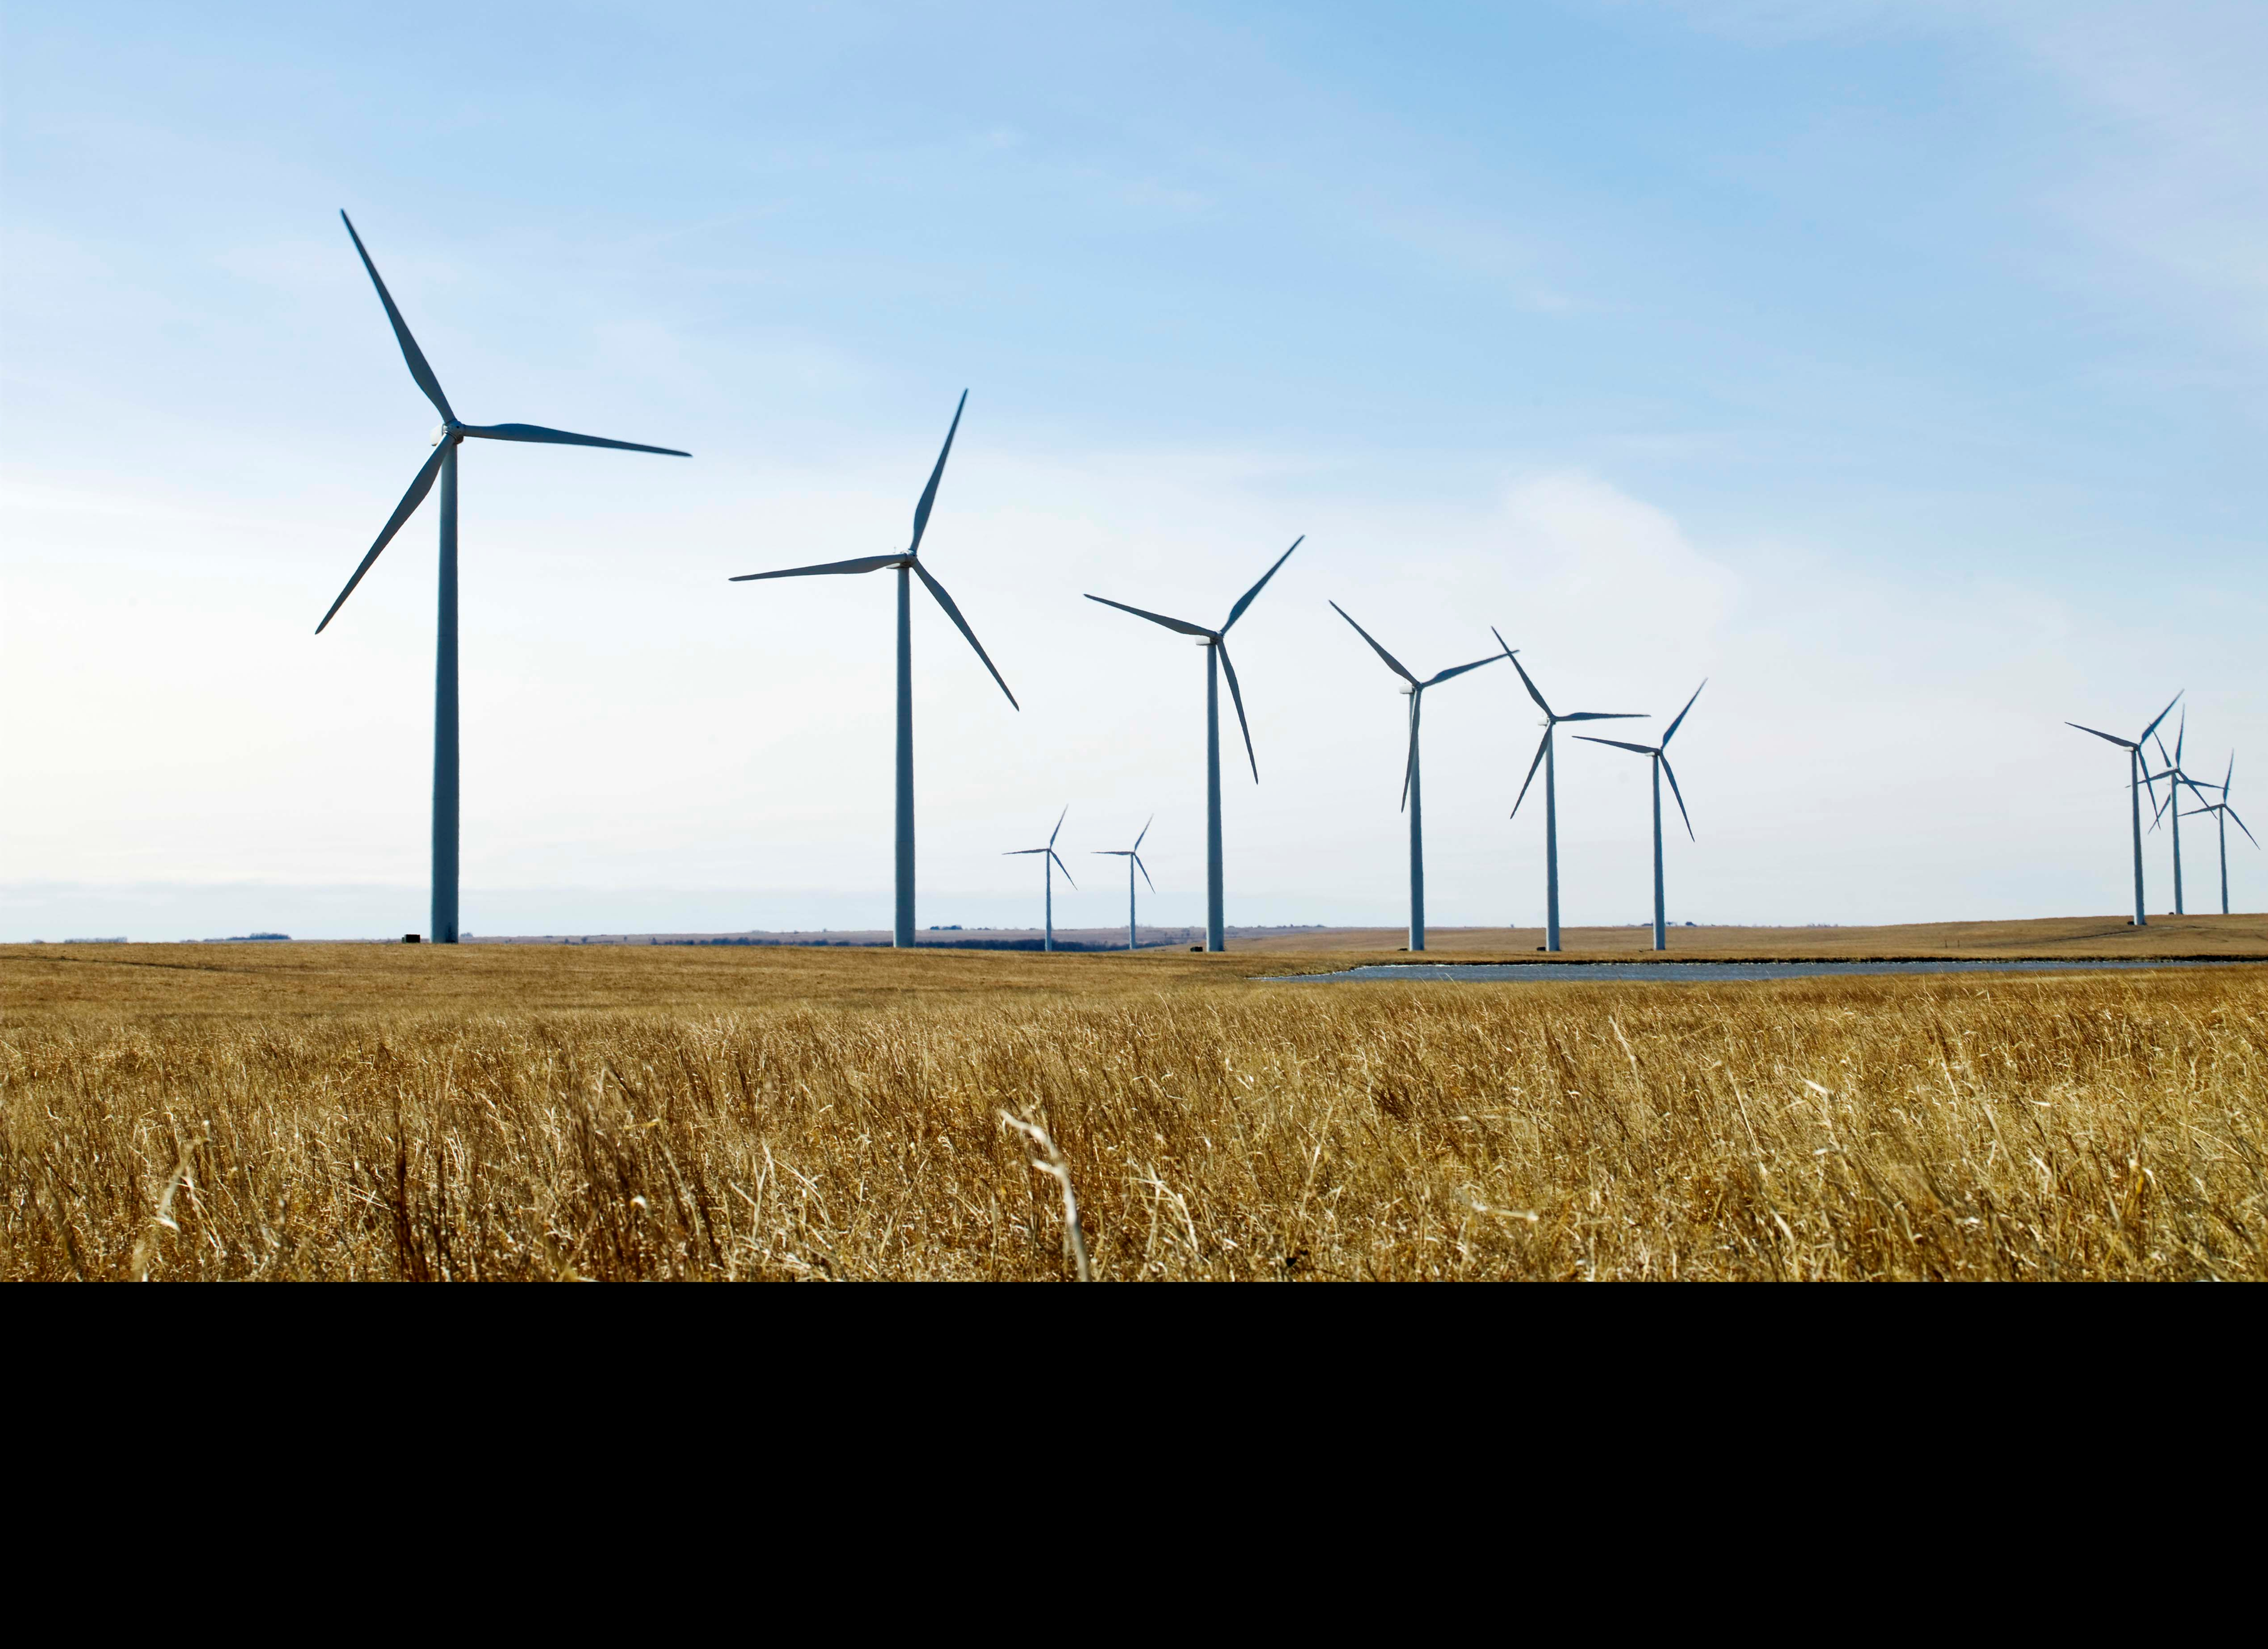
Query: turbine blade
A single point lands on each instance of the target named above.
(2181, 732)
(1674, 725)
(1155, 618)
(1604, 715)
(1060, 865)
(1017, 853)
(2124, 744)
(2162, 714)
(2229, 775)
(865, 564)
(1237, 695)
(1392, 663)
(1145, 869)
(1642, 749)
(1460, 670)
(419, 486)
(1672, 775)
(1245, 601)
(1532, 766)
(960, 623)
(410, 352)
(929, 493)
(561, 438)
(1524, 678)
(1057, 831)
(1409, 765)
(2238, 823)
(1147, 823)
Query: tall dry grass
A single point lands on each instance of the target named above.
(2060, 1127)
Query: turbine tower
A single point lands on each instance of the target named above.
(1133, 857)
(2222, 813)
(1412, 792)
(1215, 642)
(1659, 753)
(1544, 759)
(443, 464)
(1049, 864)
(2175, 778)
(906, 562)
(2136, 778)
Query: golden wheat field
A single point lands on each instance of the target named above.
(537, 1111)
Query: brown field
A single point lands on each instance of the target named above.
(545, 1111)
(2090, 937)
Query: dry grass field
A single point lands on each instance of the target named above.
(2090, 937)
(564, 1112)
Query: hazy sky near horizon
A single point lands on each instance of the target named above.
(1894, 367)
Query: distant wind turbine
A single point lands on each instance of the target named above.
(1544, 759)
(906, 560)
(1133, 857)
(1049, 864)
(2222, 813)
(1659, 753)
(2136, 779)
(444, 464)
(2175, 778)
(1215, 642)
(1412, 792)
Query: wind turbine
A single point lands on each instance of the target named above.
(446, 440)
(1544, 759)
(1215, 642)
(2175, 778)
(2136, 778)
(1050, 864)
(1659, 753)
(2222, 813)
(906, 560)
(1133, 857)
(1412, 793)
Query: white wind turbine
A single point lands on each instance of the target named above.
(1658, 755)
(1545, 760)
(906, 562)
(2136, 779)
(443, 466)
(1412, 792)
(2176, 777)
(1050, 864)
(1215, 642)
(2222, 813)
(1133, 857)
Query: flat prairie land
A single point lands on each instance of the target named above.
(2088, 938)
(563, 1112)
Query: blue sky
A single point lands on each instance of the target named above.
(1894, 367)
